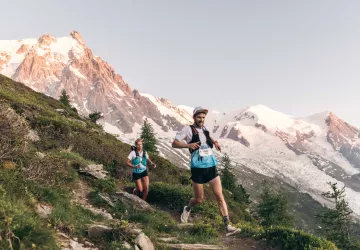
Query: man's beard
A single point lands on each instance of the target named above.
(199, 124)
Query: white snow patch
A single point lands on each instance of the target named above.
(187, 109)
(111, 129)
(63, 45)
(10, 48)
(76, 72)
(118, 91)
(182, 115)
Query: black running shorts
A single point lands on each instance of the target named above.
(137, 176)
(203, 175)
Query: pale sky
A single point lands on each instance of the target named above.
(297, 57)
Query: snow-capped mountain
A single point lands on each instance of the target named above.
(50, 64)
(304, 153)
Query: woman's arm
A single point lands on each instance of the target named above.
(151, 162)
(129, 164)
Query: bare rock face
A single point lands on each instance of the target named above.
(260, 126)
(74, 34)
(215, 128)
(235, 134)
(224, 131)
(340, 133)
(23, 49)
(344, 138)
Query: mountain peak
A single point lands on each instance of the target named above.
(76, 35)
(46, 39)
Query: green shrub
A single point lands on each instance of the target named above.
(100, 148)
(52, 196)
(240, 195)
(204, 230)
(119, 210)
(95, 116)
(207, 209)
(107, 185)
(167, 172)
(75, 158)
(250, 229)
(274, 208)
(291, 239)
(169, 195)
(153, 222)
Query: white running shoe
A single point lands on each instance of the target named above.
(185, 215)
(230, 230)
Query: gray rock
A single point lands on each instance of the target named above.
(144, 242)
(32, 136)
(126, 245)
(96, 171)
(88, 244)
(43, 210)
(133, 201)
(107, 199)
(97, 231)
(40, 155)
(62, 111)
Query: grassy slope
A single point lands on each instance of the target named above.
(68, 142)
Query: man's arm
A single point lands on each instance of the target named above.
(181, 136)
(216, 144)
(179, 144)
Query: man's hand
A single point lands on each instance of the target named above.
(217, 146)
(153, 165)
(136, 166)
(194, 145)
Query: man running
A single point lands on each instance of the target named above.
(203, 165)
(137, 160)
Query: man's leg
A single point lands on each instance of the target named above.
(145, 181)
(197, 199)
(215, 185)
(198, 195)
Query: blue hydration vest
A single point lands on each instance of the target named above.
(203, 157)
(136, 161)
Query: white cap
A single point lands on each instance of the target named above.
(200, 109)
